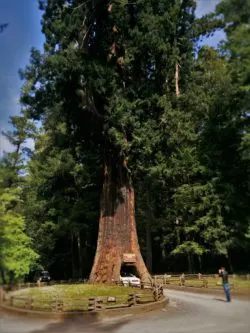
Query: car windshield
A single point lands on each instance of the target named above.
(123, 274)
(45, 274)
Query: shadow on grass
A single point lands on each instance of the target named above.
(79, 324)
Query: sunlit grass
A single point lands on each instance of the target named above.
(77, 290)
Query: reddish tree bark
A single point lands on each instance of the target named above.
(117, 229)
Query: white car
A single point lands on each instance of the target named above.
(129, 279)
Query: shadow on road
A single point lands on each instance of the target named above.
(78, 324)
(220, 300)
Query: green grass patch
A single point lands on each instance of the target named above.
(75, 290)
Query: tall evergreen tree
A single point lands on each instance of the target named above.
(106, 68)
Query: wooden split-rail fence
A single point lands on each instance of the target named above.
(199, 280)
(153, 293)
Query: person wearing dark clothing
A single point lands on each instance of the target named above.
(224, 275)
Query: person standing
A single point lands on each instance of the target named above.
(224, 275)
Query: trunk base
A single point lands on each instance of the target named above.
(117, 239)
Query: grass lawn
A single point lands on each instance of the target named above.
(74, 297)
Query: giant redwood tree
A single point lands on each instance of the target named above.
(108, 71)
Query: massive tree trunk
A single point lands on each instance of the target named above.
(117, 240)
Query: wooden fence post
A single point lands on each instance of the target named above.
(91, 304)
(182, 279)
(205, 283)
(98, 304)
(156, 294)
(131, 299)
(56, 304)
(1, 295)
(29, 303)
(95, 304)
(160, 293)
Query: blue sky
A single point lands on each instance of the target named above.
(24, 32)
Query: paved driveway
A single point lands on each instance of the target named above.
(186, 313)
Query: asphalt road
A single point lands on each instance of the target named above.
(186, 313)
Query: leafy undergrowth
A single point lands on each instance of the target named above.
(75, 297)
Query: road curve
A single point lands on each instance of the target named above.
(186, 313)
